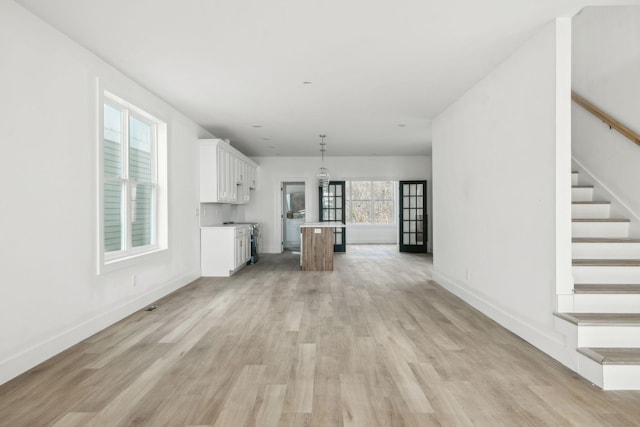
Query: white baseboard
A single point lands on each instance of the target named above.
(553, 345)
(26, 359)
(350, 241)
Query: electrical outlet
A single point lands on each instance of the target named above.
(468, 273)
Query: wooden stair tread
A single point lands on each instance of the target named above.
(590, 288)
(581, 186)
(600, 220)
(603, 240)
(592, 202)
(612, 355)
(606, 262)
(601, 319)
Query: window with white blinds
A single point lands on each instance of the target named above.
(129, 180)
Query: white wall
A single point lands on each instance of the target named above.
(495, 190)
(51, 297)
(606, 66)
(265, 205)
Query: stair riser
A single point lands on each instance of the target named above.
(582, 194)
(590, 211)
(591, 370)
(574, 178)
(613, 275)
(600, 229)
(609, 336)
(621, 377)
(610, 377)
(598, 336)
(606, 303)
(606, 250)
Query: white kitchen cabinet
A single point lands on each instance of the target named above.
(244, 189)
(242, 246)
(215, 174)
(224, 249)
(223, 175)
(253, 177)
(226, 174)
(246, 181)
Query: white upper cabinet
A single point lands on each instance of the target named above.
(253, 178)
(244, 187)
(226, 175)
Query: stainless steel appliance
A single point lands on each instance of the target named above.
(255, 240)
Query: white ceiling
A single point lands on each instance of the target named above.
(380, 70)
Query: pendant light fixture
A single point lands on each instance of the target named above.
(323, 173)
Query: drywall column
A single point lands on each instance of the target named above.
(498, 241)
(564, 275)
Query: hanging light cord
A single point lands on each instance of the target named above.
(322, 144)
(323, 173)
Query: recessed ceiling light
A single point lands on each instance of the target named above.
(266, 138)
(306, 82)
(401, 125)
(256, 126)
(272, 146)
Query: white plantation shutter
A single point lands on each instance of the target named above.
(113, 175)
(142, 178)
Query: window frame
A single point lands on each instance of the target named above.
(349, 203)
(109, 260)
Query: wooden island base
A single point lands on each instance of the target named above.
(316, 247)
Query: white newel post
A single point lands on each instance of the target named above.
(564, 276)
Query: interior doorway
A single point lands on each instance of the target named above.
(293, 213)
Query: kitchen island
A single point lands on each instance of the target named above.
(316, 246)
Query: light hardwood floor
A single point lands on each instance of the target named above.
(373, 343)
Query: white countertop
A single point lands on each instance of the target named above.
(332, 224)
(225, 226)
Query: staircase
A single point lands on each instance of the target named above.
(605, 325)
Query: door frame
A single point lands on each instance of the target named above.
(343, 246)
(279, 208)
(282, 198)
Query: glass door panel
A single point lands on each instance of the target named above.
(413, 221)
(332, 208)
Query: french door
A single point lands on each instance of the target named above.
(413, 216)
(332, 205)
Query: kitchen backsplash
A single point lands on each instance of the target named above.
(217, 213)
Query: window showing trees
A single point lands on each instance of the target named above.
(370, 202)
